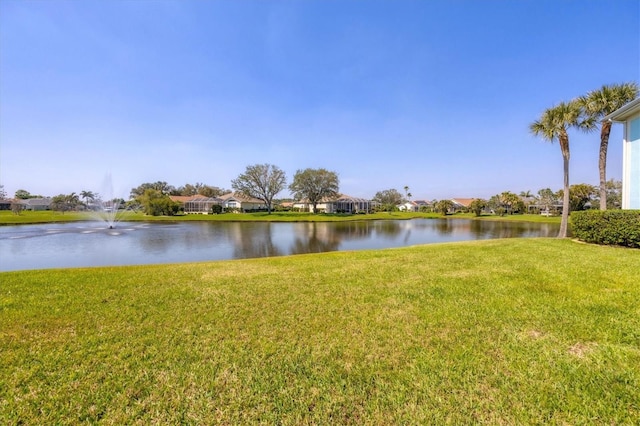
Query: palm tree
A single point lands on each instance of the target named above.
(597, 104)
(509, 199)
(87, 196)
(553, 125)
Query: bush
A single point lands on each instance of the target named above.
(610, 227)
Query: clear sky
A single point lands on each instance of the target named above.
(436, 95)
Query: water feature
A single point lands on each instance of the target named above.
(106, 207)
(85, 244)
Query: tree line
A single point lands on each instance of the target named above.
(313, 185)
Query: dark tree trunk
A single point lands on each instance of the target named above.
(564, 224)
(602, 162)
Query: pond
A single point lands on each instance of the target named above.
(130, 243)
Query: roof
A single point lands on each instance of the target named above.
(623, 113)
(37, 201)
(465, 202)
(187, 198)
(343, 197)
(181, 198)
(340, 197)
(239, 197)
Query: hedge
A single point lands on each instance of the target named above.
(609, 227)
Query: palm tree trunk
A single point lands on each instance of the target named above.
(564, 224)
(602, 162)
(565, 202)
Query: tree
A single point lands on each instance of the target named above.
(212, 191)
(160, 186)
(547, 198)
(3, 193)
(199, 189)
(553, 125)
(614, 194)
(597, 104)
(407, 193)
(508, 200)
(314, 185)
(17, 207)
(389, 199)
(156, 203)
(87, 196)
(261, 181)
(64, 203)
(22, 194)
(477, 206)
(187, 190)
(443, 206)
(579, 195)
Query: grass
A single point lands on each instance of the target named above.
(30, 217)
(517, 331)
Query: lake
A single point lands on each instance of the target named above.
(129, 243)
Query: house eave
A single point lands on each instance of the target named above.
(622, 114)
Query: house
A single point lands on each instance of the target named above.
(196, 204)
(341, 204)
(409, 206)
(461, 203)
(629, 116)
(5, 204)
(423, 204)
(237, 202)
(37, 204)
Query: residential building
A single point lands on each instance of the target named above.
(461, 203)
(37, 204)
(341, 204)
(409, 206)
(629, 116)
(423, 204)
(196, 204)
(235, 202)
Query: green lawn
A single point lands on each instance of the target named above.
(517, 331)
(29, 217)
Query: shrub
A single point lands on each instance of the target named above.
(609, 227)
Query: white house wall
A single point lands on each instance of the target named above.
(631, 165)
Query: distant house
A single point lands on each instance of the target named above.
(409, 206)
(461, 203)
(196, 204)
(5, 204)
(342, 204)
(629, 116)
(237, 202)
(349, 204)
(37, 204)
(423, 204)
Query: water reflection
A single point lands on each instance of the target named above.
(252, 240)
(71, 245)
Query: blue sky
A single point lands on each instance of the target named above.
(435, 95)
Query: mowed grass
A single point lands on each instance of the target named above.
(516, 331)
(37, 217)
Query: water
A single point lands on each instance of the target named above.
(129, 243)
(106, 207)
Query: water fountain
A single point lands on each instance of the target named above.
(106, 207)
